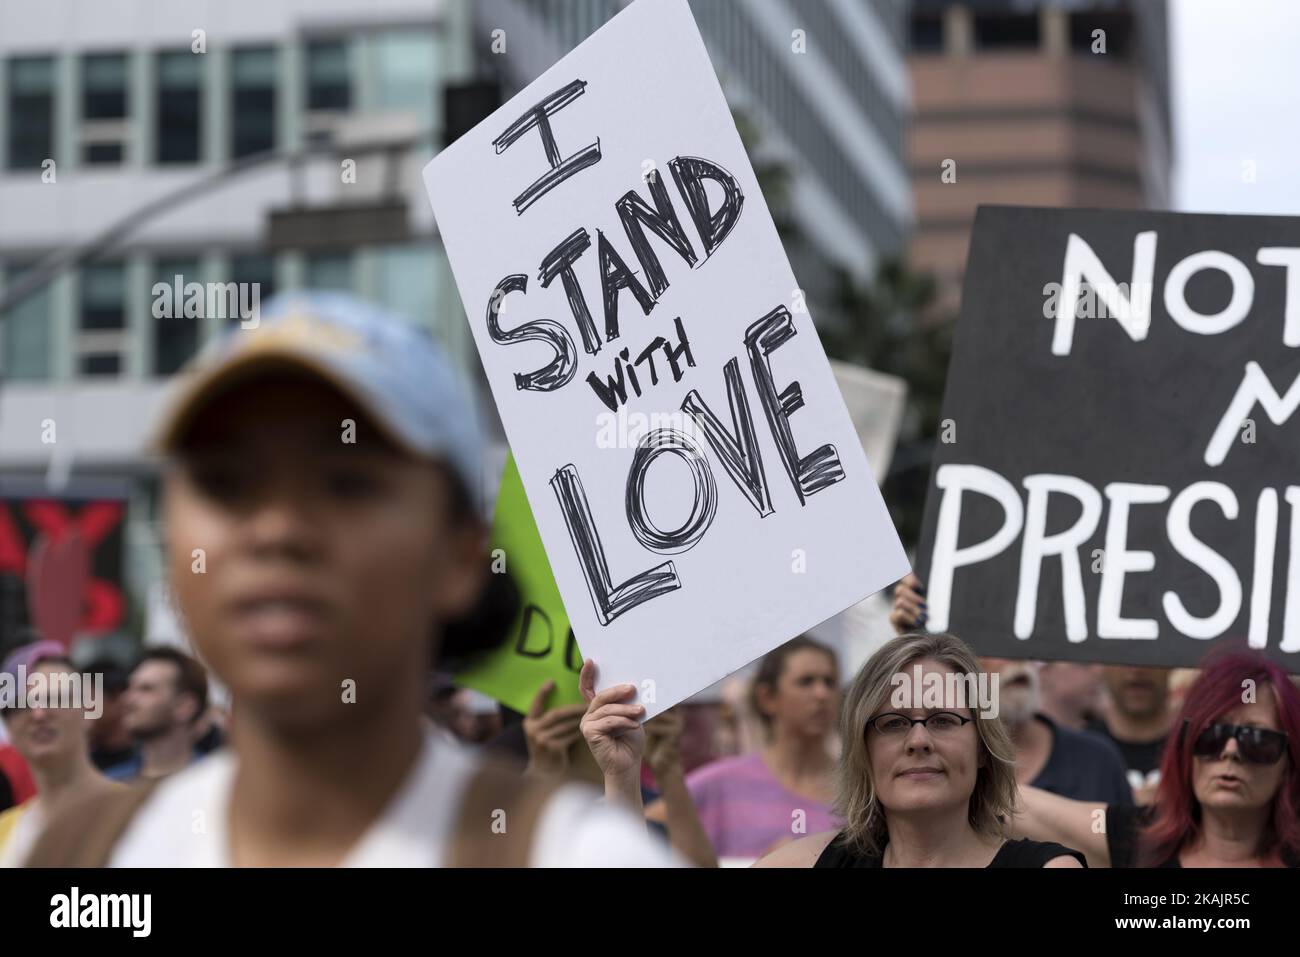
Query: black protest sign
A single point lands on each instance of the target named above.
(1114, 474)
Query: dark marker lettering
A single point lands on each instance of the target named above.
(561, 169)
(559, 262)
(683, 348)
(560, 370)
(690, 172)
(572, 656)
(614, 277)
(610, 602)
(647, 355)
(525, 632)
(625, 355)
(739, 454)
(613, 392)
(703, 506)
(818, 469)
(663, 222)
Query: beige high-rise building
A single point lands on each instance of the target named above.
(1052, 103)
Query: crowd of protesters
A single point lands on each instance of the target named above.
(344, 579)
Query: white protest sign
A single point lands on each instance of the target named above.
(695, 476)
(875, 401)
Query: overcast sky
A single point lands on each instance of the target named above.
(1236, 88)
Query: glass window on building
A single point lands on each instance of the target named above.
(329, 76)
(31, 111)
(253, 271)
(103, 107)
(927, 33)
(405, 281)
(331, 270)
(101, 363)
(252, 101)
(25, 348)
(406, 64)
(103, 318)
(180, 108)
(1006, 31)
(103, 297)
(175, 336)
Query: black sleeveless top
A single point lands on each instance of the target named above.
(1022, 853)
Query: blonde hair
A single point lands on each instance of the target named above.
(994, 796)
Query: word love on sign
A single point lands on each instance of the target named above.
(1119, 479)
(618, 263)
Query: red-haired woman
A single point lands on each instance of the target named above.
(1229, 793)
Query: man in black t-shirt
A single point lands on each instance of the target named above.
(1084, 764)
(1137, 720)
(1074, 764)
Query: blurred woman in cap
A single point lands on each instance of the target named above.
(323, 535)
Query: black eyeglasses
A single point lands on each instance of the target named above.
(892, 724)
(1257, 745)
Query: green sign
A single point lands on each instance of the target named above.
(540, 645)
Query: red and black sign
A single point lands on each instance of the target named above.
(60, 561)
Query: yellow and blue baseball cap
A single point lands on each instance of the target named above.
(391, 368)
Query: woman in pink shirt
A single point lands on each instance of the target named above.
(753, 803)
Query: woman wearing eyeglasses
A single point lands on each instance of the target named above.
(924, 779)
(1229, 793)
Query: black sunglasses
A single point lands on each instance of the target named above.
(1257, 745)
